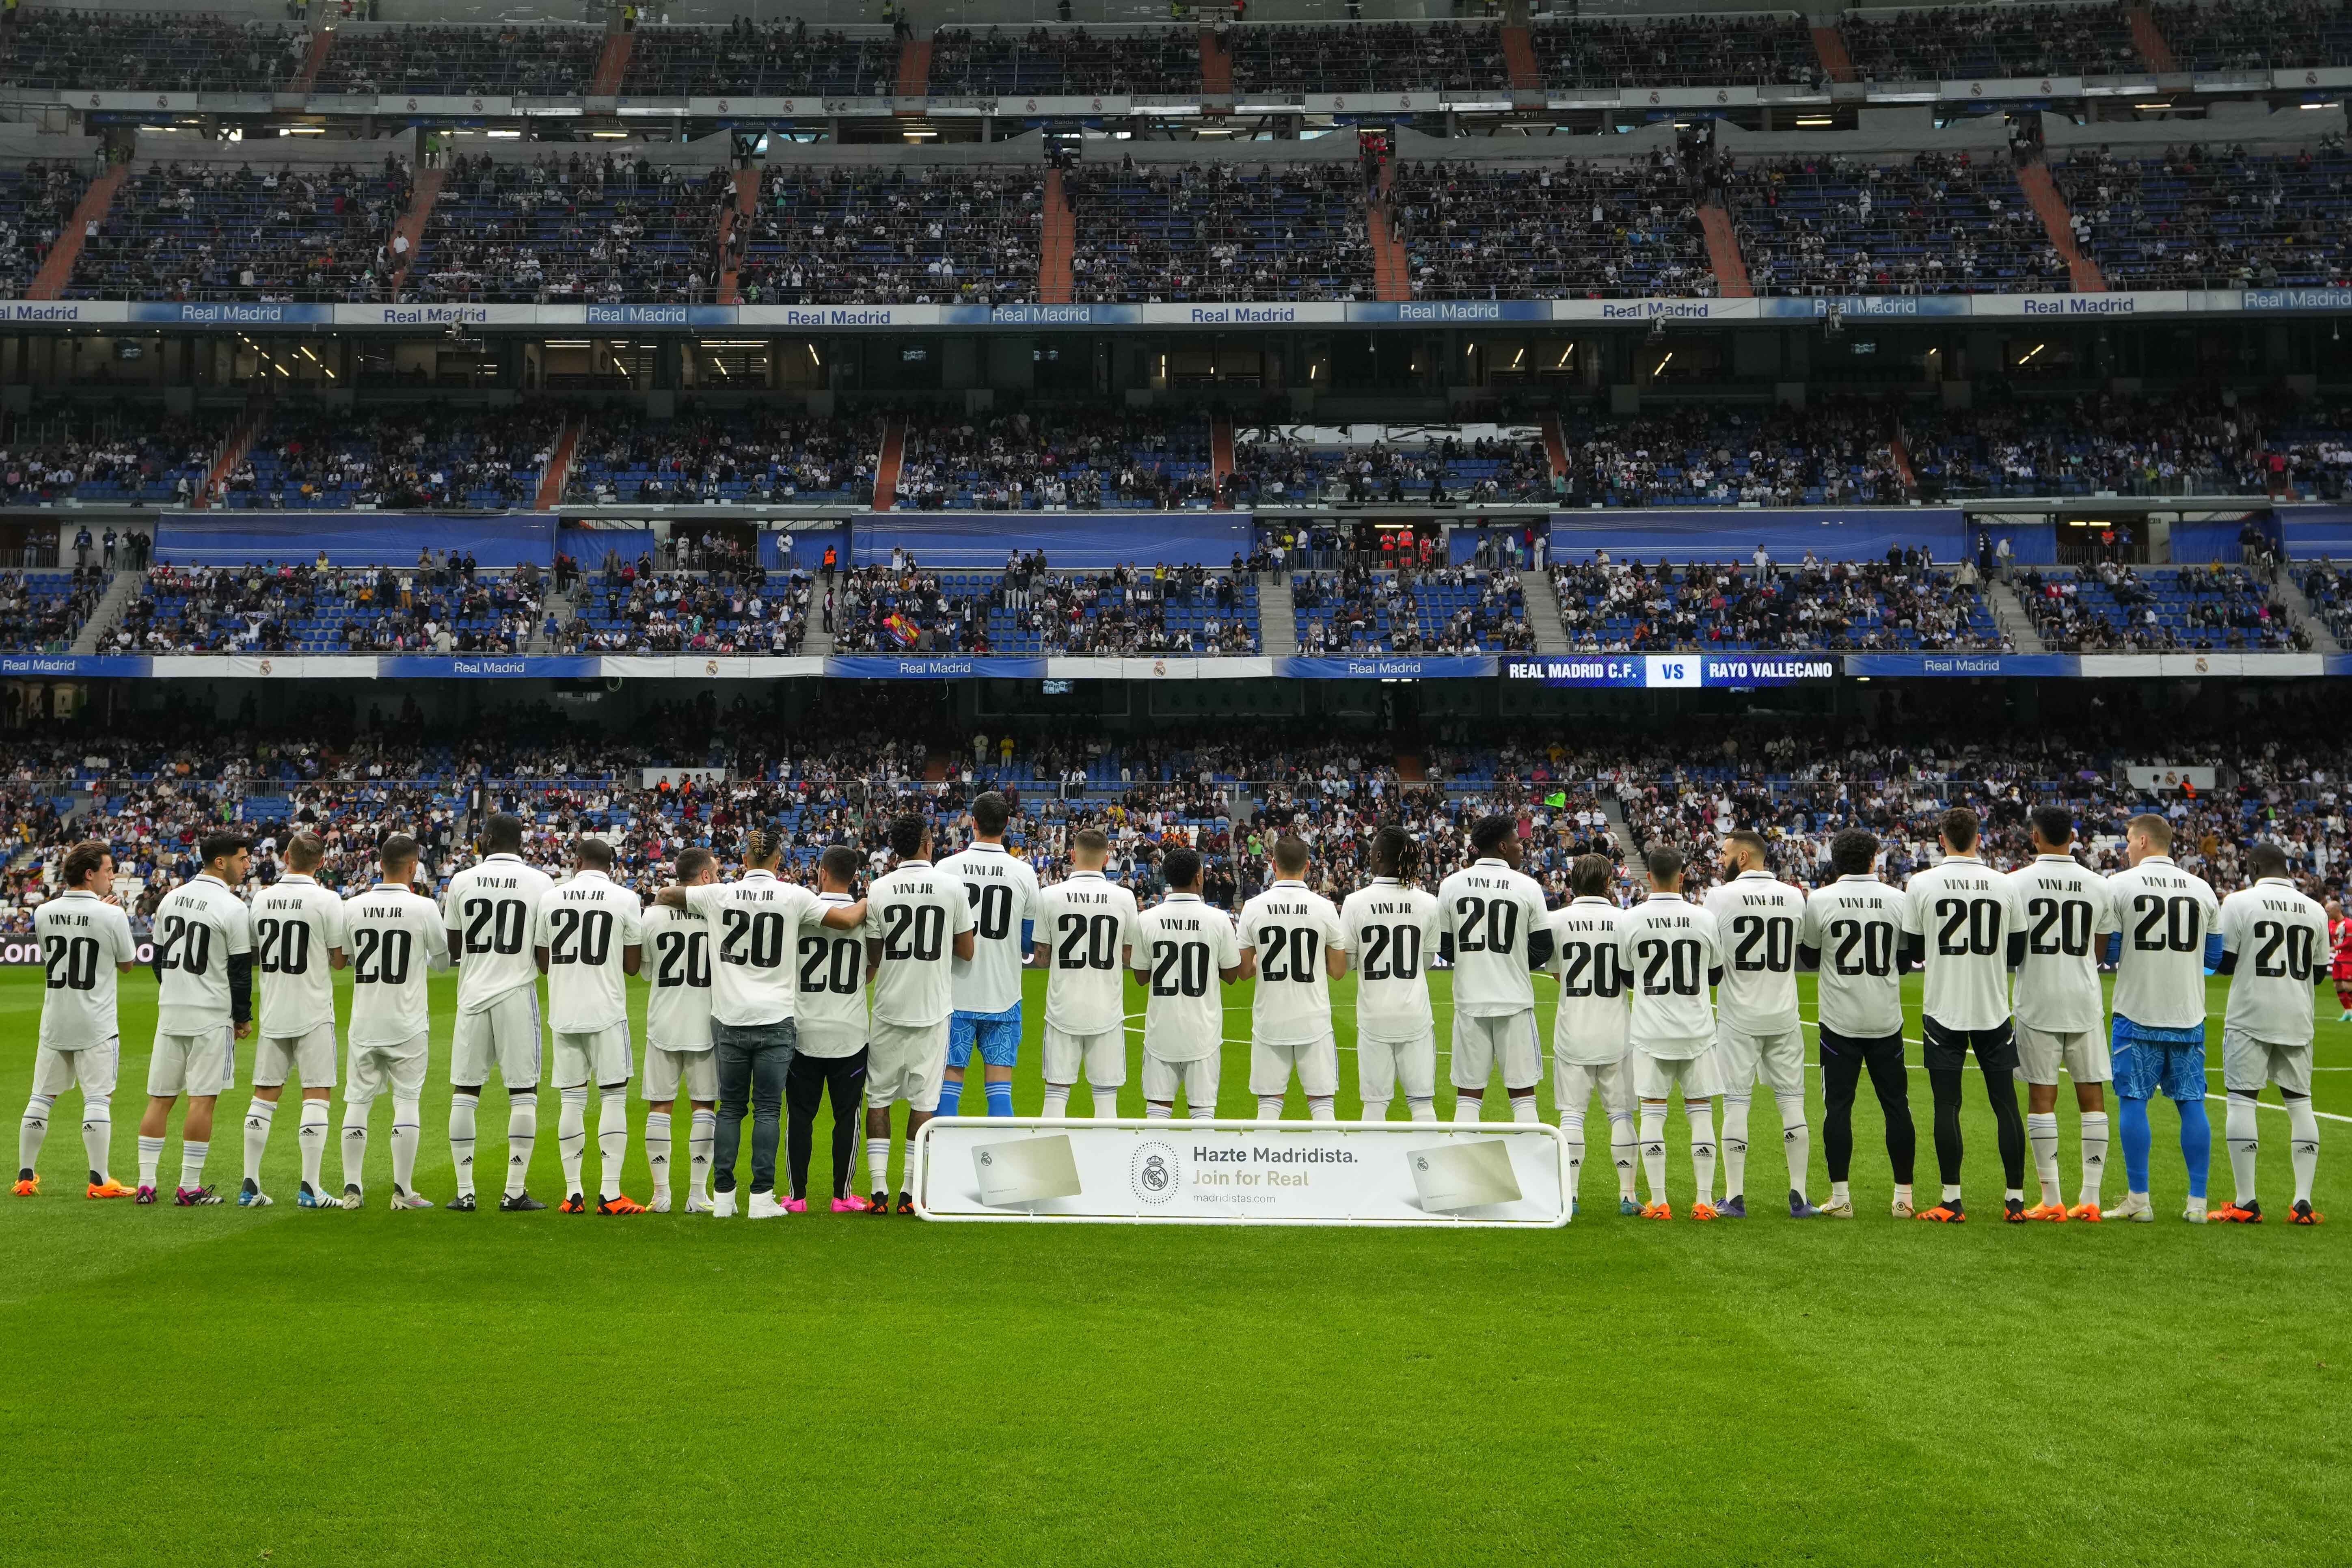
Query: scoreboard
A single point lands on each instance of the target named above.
(1672, 670)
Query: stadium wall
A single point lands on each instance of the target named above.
(351, 539)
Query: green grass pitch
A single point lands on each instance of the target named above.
(227, 1386)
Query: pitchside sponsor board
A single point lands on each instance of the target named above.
(1241, 1173)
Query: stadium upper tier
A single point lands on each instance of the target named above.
(65, 51)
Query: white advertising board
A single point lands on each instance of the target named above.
(1026, 1168)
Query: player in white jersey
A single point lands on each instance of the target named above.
(1757, 1034)
(832, 1060)
(678, 1037)
(756, 923)
(2167, 935)
(204, 1006)
(1181, 943)
(298, 943)
(2273, 948)
(1667, 947)
(587, 937)
(397, 941)
(1971, 934)
(1588, 1032)
(1086, 939)
(1856, 935)
(1003, 894)
(86, 946)
(487, 909)
(918, 925)
(1294, 944)
(2060, 1005)
(1492, 923)
(1392, 933)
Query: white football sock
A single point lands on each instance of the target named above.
(701, 1139)
(2303, 1128)
(34, 1131)
(612, 1140)
(192, 1163)
(310, 1138)
(151, 1154)
(1375, 1111)
(260, 1117)
(1621, 1149)
(1654, 1150)
(1951, 1192)
(1153, 1110)
(1466, 1108)
(2245, 1142)
(1702, 1130)
(1057, 1100)
(1522, 1108)
(2094, 1155)
(1106, 1103)
(571, 1135)
(1735, 1148)
(461, 1140)
(1796, 1142)
(98, 1134)
(1202, 1113)
(2041, 1131)
(1322, 1108)
(877, 1164)
(354, 1145)
(1571, 1127)
(1269, 1108)
(522, 1132)
(1902, 1192)
(657, 1150)
(407, 1131)
(1839, 1193)
(1420, 1107)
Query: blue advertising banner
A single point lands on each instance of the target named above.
(1389, 666)
(920, 666)
(1451, 312)
(487, 667)
(1675, 671)
(1868, 306)
(661, 315)
(67, 666)
(232, 313)
(2066, 664)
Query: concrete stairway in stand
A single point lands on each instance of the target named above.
(122, 589)
(57, 267)
(2033, 178)
(1277, 617)
(1543, 612)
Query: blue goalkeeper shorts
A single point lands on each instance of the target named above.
(997, 1035)
(2148, 1062)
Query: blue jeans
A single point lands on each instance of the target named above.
(752, 1062)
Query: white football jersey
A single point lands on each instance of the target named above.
(1760, 919)
(1669, 948)
(755, 924)
(199, 927)
(2165, 915)
(1392, 933)
(586, 924)
(395, 938)
(296, 924)
(1290, 927)
(1086, 925)
(678, 967)
(1003, 891)
(1182, 945)
(916, 913)
(1965, 912)
(833, 973)
(82, 939)
(2280, 936)
(1588, 1030)
(2067, 916)
(1490, 910)
(489, 908)
(1857, 924)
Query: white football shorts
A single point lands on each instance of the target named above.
(905, 1061)
(310, 1057)
(1103, 1056)
(666, 1070)
(194, 1065)
(1742, 1059)
(603, 1057)
(2083, 1053)
(505, 1035)
(2248, 1063)
(1381, 1065)
(1511, 1040)
(399, 1067)
(1198, 1079)
(1316, 1063)
(1656, 1078)
(94, 1067)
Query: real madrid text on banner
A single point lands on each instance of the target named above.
(1504, 1174)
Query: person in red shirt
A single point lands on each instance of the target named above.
(2339, 940)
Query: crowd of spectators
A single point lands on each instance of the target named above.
(2202, 217)
(1074, 461)
(1579, 229)
(739, 454)
(1902, 605)
(2190, 445)
(211, 231)
(40, 612)
(581, 228)
(74, 50)
(1366, 57)
(1029, 608)
(444, 605)
(930, 235)
(36, 200)
(1942, 222)
(1442, 610)
(490, 59)
(753, 59)
(724, 604)
(1761, 48)
(1071, 62)
(2255, 35)
(107, 453)
(1157, 233)
(2114, 608)
(1951, 43)
(1838, 453)
(397, 457)
(1280, 465)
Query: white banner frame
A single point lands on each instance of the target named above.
(1177, 1128)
